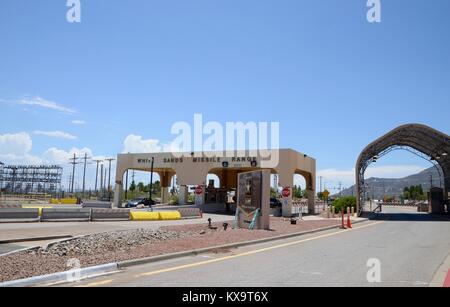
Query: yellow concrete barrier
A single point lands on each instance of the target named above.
(68, 201)
(54, 201)
(144, 216)
(170, 215)
(155, 216)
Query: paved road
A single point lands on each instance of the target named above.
(410, 246)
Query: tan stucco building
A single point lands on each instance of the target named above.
(191, 169)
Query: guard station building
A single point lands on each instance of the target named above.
(192, 169)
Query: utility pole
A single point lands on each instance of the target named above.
(74, 162)
(104, 179)
(109, 177)
(340, 189)
(96, 174)
(320, 178)
(101, 178)
(84, 172)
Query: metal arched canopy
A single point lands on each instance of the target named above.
(424, 139)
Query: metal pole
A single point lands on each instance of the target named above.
(96, 176)
(101, 177)
(151, 178)
(73, 172)
(126, 186)
(109, 179)
(84, 173)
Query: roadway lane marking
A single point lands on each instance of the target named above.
(96, 284)
(186, 266)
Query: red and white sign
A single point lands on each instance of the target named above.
(199, 190)
(286, 192)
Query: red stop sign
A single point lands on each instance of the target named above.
(198, 190)
(286, 192)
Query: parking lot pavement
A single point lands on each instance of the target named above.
(10, 231)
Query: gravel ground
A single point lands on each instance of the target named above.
(133, 244)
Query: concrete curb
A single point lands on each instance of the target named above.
(439, 276)
(31, 239)
(129, 263)
(62, 276)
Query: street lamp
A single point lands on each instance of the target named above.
(151, 178)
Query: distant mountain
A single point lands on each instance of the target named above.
(395, 187)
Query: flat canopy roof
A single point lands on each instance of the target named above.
(190, 166)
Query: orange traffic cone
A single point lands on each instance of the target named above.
(349, 222)
(343, 223)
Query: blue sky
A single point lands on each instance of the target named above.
(334, 81)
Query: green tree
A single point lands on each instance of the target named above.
(320, 195)
(273, 193)
(141, 187)
(344, 203)
(132, 186)
(297, 192)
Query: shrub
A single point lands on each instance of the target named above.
(174, 199)
(344, 203)
(191, 198)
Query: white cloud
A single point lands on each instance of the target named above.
(15, 144)
(60, 156)
(78, 122)
(43, 103)
(15, 149)
(56, 134)
(136, 144)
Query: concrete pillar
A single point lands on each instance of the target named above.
(165, 195)
(118, 192)
(311, 202)
(183, 195)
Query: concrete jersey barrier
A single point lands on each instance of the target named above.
(10, 206)
(17, 215)
(98, 214)
(55, 215)
(189, 213)
(100, 205)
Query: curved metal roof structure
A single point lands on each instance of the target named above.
(426, 140)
